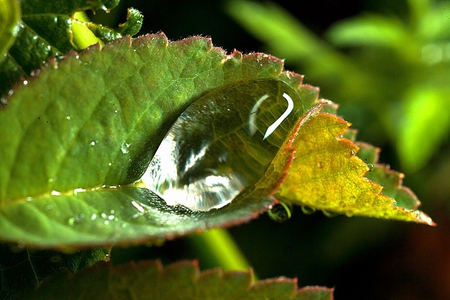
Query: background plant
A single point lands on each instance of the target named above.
(290, 242)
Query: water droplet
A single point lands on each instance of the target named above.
(124, 148)
(370, 167)
(93, 143)
(280, 212)
(308, 210)
(25, 82)
(349, 213)
(223, 143)
(68, 118)
(116, 111)
(352, 152)
(329, 214)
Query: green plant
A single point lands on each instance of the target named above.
(372, 61)
(79, 132)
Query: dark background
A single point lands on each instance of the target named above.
(362, 258)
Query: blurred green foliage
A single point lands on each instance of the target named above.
(398, 67)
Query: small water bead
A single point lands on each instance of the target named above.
(223, 143)
(308, 210)
(280, 212)
(329, 214)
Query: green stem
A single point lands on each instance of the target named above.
(218, 249)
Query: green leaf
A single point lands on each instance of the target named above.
(48, 29)
(182, 280)
(368, 30)
(88, 137)
(424, 124)
(9, 19)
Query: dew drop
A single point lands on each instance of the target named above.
(280, 212)
(125, 147)
(223, 143)
(349, 213)
(329, 214)
(352, 152)
(93, 143)
(308, 210)
(370, 167)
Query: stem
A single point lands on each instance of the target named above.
(218, 249)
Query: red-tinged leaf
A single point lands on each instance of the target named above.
(327, 175)
(182, 280)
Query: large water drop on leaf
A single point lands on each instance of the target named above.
(223, 143)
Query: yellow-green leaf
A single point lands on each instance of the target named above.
(327, 175)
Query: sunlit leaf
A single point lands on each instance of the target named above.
(183, 280)
(327, 175)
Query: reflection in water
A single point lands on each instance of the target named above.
(223, 143)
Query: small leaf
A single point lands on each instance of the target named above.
(424, 123)
(182, 280)
(368, 30)
(327, 175)
(45, 31)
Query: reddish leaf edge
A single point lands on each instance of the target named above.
(254, 60)
(119, 274)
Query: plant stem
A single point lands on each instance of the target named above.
(218, 249)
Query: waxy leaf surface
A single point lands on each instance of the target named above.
(82, 132)
(182, 280)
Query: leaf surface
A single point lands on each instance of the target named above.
(182, 280)
(71, 142)
(327, 175)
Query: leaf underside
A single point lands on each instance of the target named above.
(182, 280)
